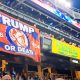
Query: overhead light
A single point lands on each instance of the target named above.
(68, 5)
(65, 3)
(75, 61)
(77, 35)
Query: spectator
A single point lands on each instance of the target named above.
(36, 77)
(13, 73)
(30, 78)
(49, 78)
(70, 43)
(59, 78)
(19, 77)
(62, 39)
(73, 44)
(34, 25)
(78, 46)
(6, 77)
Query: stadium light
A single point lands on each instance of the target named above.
(65, 3)
(75, 61)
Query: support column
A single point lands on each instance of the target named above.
(26, 69)
(4, 63)
(49, 69)
(39, 70)
(77, 74)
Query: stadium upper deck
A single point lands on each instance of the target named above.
(74, 12)
(51, 22)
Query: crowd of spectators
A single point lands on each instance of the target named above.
(24, 76)
(71, 43)
(51, 24)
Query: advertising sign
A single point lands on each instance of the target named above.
(48, 6)
(19, 38)
(63, 48)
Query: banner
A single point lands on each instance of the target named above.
(50, 7)
(19, 38)
(65, 49)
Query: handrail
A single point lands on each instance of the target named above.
(75, 9)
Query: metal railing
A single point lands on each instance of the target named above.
(61, 23)
(37, 22)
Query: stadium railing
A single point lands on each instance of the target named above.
(37, 22)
